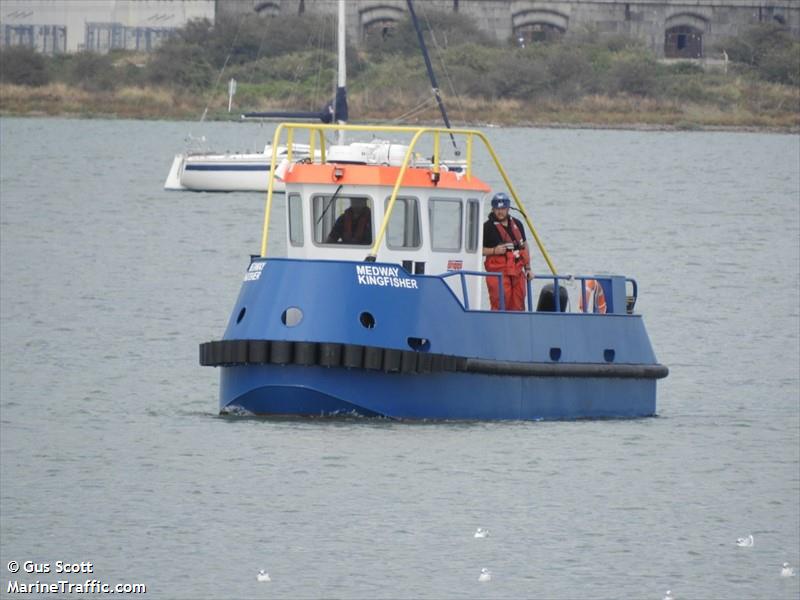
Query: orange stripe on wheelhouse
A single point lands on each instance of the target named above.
(379, 175)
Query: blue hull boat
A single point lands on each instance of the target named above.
(330, 331)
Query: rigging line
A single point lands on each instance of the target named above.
(314, 95)
(293, 95)
(440, 56)
(415, 110)
(431, 74)
(260, 48)
(225, 64)
(252, 78)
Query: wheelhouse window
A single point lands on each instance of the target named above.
(403, 231)
(295, 220)
(473, 222)
(445, 216)
(342, 220)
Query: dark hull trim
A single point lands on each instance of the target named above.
(255, 352)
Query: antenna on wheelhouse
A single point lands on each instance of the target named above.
(431, 75)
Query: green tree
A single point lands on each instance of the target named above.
(91, 71)
(179, 65)
(634, 74)
(23, 66)
(770, 49)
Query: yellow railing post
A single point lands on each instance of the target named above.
(436, 152)
(268, 208)
(289, 144)
(373, 253)
(321, 147)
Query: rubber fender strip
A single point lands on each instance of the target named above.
(216, 352)
(373, 358)
(353, 356)
(391, 360)
(202, 355)
(408, 361)
(258, 351)
(280, 353)
(227, 353)
(305, 353)
(238, 352)
(620, 371)
(330, 355)
(424, 361)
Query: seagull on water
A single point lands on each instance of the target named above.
(669, 595)
(787, 571)
(481, 533)
(745, 542)
(486, 575)
(263, 576)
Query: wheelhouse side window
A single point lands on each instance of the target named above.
(342, 220)
(403, 231)
(295, 220)
(473, 222)
(445, 217)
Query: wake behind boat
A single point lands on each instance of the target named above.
(391, 324)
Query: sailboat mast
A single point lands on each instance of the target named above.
(342, 67)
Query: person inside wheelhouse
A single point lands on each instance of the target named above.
(354, 225)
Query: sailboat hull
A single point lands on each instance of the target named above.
(221, 173)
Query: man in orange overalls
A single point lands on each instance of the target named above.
(506, 252)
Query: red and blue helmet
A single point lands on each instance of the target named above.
(501, 200)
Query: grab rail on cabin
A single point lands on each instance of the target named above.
(583, 307)
(417, 132)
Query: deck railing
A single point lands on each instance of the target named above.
(583, 307)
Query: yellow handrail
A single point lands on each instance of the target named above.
(417, 132)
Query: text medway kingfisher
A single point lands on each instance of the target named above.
(383, 277)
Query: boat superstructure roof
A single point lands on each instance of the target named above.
(435, 170)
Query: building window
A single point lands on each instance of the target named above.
(683, 41)
(537, 33)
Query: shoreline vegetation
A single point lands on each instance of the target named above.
(590, 112)
(591, 81)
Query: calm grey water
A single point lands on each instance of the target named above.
(113, 452)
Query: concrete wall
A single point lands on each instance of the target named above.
(648, 20)
(72, 25)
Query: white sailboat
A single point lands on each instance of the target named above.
(229, 172)
(249, 171)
